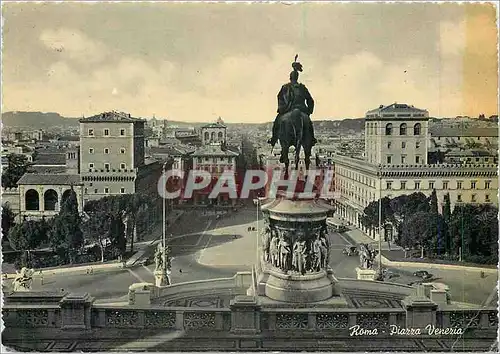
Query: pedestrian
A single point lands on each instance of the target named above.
(41, 278)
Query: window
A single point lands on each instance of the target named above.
(402, 129)
(487, 184)
(473, 185)
(389, 145)
(96, 190)
(91, 165)
(388, 129)
(417, 184)
(106, 190)
(122, 150)
(389, 159)
(122, 132)
(86, 190)
(403, 184)
(487, 198)
(459, 184)
(123, 166)
(122, 190)
(403, 159)
(106, 151)
(106, 166)
(459, 198)
(403, 144)
(389, 185)
(417, 145)
(473, 198)
(416, 129)
(106, 132)
(445, 185)
(417, 159)
(91, 132)
(91, 150)
(431, 185)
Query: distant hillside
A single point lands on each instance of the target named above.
(39, 120)
(356, 124)
(36, 120)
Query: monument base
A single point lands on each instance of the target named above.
(296, 288)
(366, 274)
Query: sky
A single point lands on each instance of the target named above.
(196, 62)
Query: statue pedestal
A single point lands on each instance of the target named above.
(366, 274)
(299, 288)
(161, 278)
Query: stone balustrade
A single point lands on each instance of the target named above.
(245, 315)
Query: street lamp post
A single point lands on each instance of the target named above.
(164, 240)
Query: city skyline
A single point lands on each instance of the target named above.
(196, 62)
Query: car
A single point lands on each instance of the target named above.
(350, 251)
(422, 274)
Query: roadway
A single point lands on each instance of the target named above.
(204, 247)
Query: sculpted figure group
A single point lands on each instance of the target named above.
(297, 252)
(366, 256)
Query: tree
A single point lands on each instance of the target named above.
(416, 231)
(370, 217)
(131, 205)
(446, 230)
(17, 166)
(434, 241)
(117, 234)
(405, 205)
(8, 219)
(28, 235)
(66, 237)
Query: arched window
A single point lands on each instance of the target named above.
(416, 129)
(220, 135)
(65, 196)
(212, 137)
(402, 129)
(32, 200)
(50, 199)
(388, 129)
(207, 136)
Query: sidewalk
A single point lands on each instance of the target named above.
(356, 236)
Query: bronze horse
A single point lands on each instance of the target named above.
(293, 133)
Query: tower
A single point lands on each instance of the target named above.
(396, 135)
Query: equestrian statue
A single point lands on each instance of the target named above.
(293, 126)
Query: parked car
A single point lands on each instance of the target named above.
(350, 251)
(422, 274)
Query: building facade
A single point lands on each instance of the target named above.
(111, 152)
(360, 181)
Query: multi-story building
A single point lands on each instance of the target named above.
(214, 157)
(112, 155)
(391, 168)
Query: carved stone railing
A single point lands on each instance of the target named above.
(244, 316)
(172, 318)
(342, 320)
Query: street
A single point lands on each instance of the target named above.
(205, 247)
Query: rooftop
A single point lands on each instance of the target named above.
(45, 179)
(447, 131)
(50, 158)
(214, 150)
(113, 116)
(402, 108)
(214, 125)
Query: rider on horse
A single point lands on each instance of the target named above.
(294, 95)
